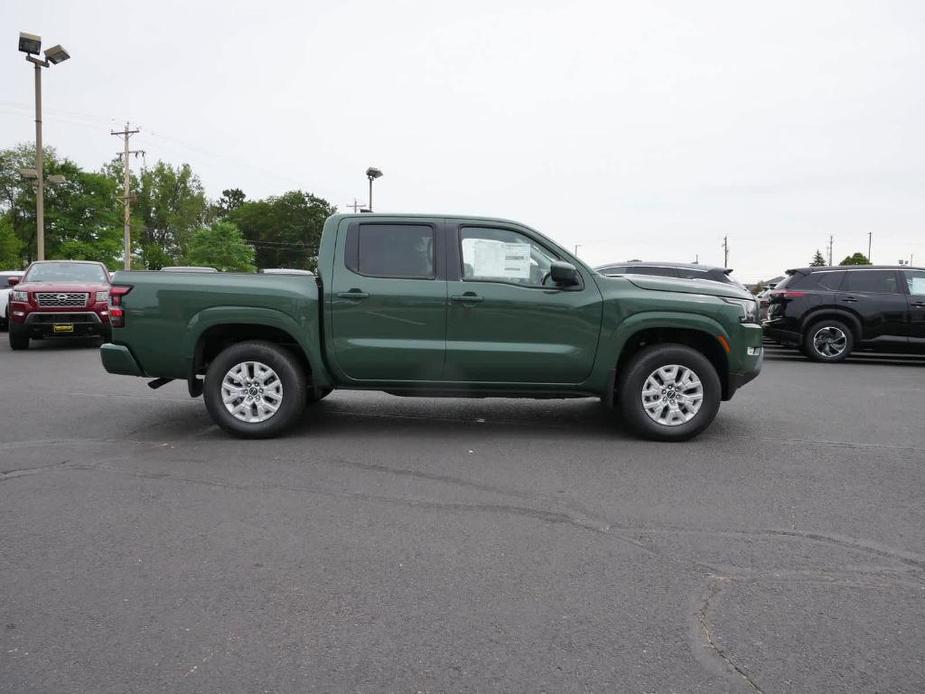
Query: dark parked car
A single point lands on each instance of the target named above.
(688, 271)
(830, 311)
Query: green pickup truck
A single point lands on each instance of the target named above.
(418, 305)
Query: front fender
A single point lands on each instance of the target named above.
(661, 319)
(304, 332)
(614, 339)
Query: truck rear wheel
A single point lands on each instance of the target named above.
(254, 389)
(669, 392)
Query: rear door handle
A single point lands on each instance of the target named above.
(849, 299)
(467, 298)
(352, 294)
(918, 304)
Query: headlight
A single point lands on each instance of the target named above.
(749, 309)
(102, 296)
(16, 295)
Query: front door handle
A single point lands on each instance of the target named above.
(352, 294)
(918, 304)
(467, 298)
(849, 299)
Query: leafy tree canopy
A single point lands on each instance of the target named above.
(221, 245)
(856, 259)
(10, 246)
(284, 229)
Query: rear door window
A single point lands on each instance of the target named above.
(871, 282)
(391, 250)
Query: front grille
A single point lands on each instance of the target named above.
(62, 299)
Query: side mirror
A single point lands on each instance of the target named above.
(12, 281)
(564, 274)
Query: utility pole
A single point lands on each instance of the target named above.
(127, 192)
(357, 206)
(577, 246)
(725, 251)
(831, 241)
(870, 236)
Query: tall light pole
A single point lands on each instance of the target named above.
(372, 173)
(870, 236)
(30, 44)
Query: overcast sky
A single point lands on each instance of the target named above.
(635, 129)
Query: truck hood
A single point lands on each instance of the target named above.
(61, 287)
(685, 286)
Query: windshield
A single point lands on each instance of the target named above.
(67, 272)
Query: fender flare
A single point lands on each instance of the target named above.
(305, 333)
(615, 341)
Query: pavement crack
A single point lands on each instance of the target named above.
(713, 588)
(22, 472)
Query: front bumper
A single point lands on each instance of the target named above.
(61, 324)
(746, 359)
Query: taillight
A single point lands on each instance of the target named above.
(116, 312)
(787, 294)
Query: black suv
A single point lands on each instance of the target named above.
(829, 311)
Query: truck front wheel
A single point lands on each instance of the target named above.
(669, 392)
(19, 339)
(254, 389)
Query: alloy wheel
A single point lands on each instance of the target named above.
(672, 395)
(830, 342)
(252, 392)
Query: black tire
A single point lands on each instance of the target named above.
(18, 340)
(828, 341)
(646, 363)
(291, 377)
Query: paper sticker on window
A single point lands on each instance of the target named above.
(917, 286)
(497, 259)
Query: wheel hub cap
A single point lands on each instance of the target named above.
(672, 395)
(830, 341)
(252, 392)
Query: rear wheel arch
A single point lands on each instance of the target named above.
(842, 315)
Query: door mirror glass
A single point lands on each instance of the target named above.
(564, 274)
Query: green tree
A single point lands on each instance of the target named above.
(284, 229)
(856, 259)
(221, 245)
(10, 246)
(81, 214)
(818, 260)
(170, 206)
(232, 199)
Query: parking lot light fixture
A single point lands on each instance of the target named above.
(56, 54)
(31, 45)
(372, 173)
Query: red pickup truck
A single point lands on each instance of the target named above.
(59, 298)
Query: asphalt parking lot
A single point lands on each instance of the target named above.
(411, 545)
